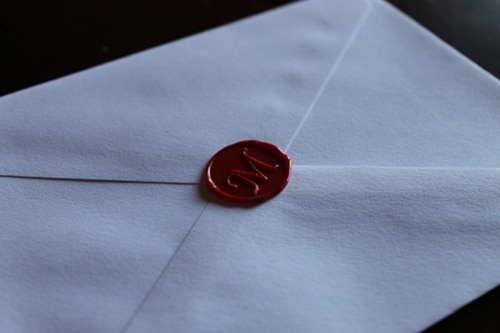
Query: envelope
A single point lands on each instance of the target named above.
(390, 221)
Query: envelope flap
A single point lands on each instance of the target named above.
(160, 115)
(340, 250)
(80, 256)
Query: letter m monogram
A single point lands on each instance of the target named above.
(251, 177)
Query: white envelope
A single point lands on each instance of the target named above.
(391, 220)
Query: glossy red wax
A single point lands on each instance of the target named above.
(248, 171)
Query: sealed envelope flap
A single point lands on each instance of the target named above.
(344, 249)
(161, 114)
(80, 256)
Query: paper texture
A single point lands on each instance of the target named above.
(370, 249)
(390, 221)
(79, 256)
(134, 118)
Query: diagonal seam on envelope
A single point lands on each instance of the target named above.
(123, 121)
(352, 36)
(80, 133)
(400, 104)
(389, 249)
(336, 63)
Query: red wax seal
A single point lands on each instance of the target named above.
(248, 171)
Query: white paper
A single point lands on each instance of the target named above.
(389, 223)
(401, 97)
(370, 249)
(80, 256)
(160, 115)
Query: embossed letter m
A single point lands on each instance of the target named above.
(250, 177)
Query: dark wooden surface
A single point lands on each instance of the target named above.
(44, 40)
(471, 26)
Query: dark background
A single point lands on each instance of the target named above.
(44, 40)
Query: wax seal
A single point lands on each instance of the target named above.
(248, 171)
